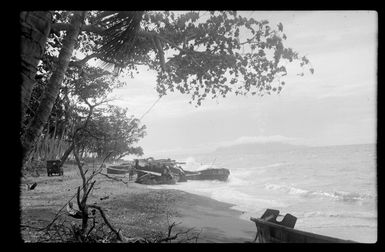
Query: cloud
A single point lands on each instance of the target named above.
(195, 150)
(212, 146)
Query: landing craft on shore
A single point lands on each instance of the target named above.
(173, 168)
(165, 171)
(119, 169)
(208, 174)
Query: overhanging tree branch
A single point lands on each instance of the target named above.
(83, 61)
(146, 34)
(88, 28)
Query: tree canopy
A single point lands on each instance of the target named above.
(202, 56)
(112, 130)
(109, 128)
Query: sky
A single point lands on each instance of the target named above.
(334, 106)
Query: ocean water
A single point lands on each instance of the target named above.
(331, 190)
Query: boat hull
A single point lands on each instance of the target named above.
(161, 168)
(269, 230)
(209, 174)
(116, 171)
(150, 179)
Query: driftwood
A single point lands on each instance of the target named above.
(104, 198)
(118, 235)
(31, 187)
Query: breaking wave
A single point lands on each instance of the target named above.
(361, 215)
(274, 165)
(337, 195)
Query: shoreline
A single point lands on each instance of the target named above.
(220, 223)
(138, 210)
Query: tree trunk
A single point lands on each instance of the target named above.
(52, 90)
(71, 147)
(66, 154)
(82, 204)
(82, 152)
(35, 27)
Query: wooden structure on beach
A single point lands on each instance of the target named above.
(173, 167)
(165, 171)
(119, 169)
(157, 171)
(208, 174)
(269, 230)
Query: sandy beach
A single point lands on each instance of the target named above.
(135, 209)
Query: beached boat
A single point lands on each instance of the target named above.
(154, 178)
(118, 169)
(172, 167)
(208, 174)
(161, 166)
(269, 230)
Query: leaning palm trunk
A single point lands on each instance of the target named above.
(66, 154)
(35, 27)
(35, 127)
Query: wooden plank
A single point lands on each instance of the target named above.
(276, 233)
(116, 171)
(150, 172)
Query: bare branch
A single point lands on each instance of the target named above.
(93, 226)
(80, 166)
(113, 178)
(78, 197)
(169, 237)
(89, 190)
(117, 233)
(76, 194)
(92, 107)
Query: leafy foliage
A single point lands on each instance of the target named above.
(207, 58)
(83, 85)
(111, 130)
(211, 62)
(119, 34)
(204, 57)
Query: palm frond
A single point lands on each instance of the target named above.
(119, 37)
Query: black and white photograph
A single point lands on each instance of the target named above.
(198, 126)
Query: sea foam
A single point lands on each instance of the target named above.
(335, 195)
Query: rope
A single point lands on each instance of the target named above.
(148, 110)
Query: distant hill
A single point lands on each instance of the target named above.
(257, 148)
